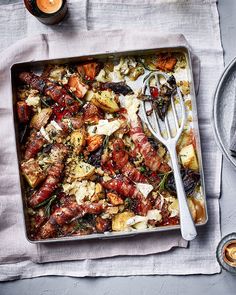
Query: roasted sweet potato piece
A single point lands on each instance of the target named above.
(92, 114)
(23, 111)
(77, 86)
(94, 142)
(89, 70)
(32, 172)
(166, 62)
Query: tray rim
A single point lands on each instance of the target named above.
(110, 235)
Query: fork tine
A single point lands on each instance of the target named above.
(167, 127)
(174, 112)
(182, 109)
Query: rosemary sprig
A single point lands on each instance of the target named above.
(47, 203)
(161, 185)
(105, 142)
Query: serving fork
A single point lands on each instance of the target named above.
(188, 229)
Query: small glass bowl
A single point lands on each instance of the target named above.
(226, 253)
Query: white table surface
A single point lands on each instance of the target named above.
(223, 283)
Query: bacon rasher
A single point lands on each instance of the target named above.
(151, 159)
(53, 177)
(120, 157)
(51, 89)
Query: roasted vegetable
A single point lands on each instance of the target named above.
(166, 62)
(92, 114)
(119, 221)
(115, 199)
(118, 87)
(190, 181)
(94, 142)
(32, 172)
(106, 101)
(77, 87)
(102, 224)
(40, 119)
(78, 139)
(23, 111)
(88, 70)
(84, 170)
(188, 158)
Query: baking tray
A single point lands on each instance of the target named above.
(38, 65)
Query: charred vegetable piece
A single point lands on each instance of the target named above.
(77, 87)
(102, 224)
(118, 87)
(40, 119)
(92, 114)
(23, 111)
(88, 70)
(162, 102)
(95, 157)
(115, 199)
(190, 181)
(106, 100)
(166, 62)
(32, 172)
(94, 142)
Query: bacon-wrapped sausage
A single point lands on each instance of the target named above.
(66, 214)
(151, 159)
(23, 111)
(59, 152)
(34, 145)
(128, 190)
(120, 157)
(51, 89)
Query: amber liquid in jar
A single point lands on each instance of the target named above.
(229, 253)
(47, 11)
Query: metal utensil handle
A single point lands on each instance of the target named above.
(188, 229)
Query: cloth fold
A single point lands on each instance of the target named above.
(187, 17)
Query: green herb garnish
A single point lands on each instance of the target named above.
(47, 203)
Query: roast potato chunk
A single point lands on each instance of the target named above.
(106, 101)
(188, 158)
(84, 170)
(119, 221)
(114, 199)
(32, 172)
(40, 119)
(78, 140)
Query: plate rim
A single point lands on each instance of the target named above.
(214, 123)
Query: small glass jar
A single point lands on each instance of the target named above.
(47, 11)
(226, 253)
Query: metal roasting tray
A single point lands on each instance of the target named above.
(37, 66)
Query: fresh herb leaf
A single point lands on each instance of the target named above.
(162, 184)
(142, 169)
(49, 205)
